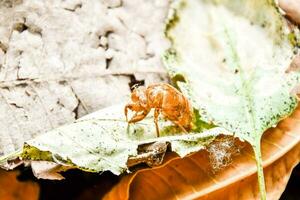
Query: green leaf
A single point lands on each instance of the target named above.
(103, 141)
(233, 55)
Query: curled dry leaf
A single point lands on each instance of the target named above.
(11, 188)
(152, 154)
(192, 178)
(48, 170)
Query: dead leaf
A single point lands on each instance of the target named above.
(60, 60)
(48, 170)
(232, 86)
(191, 177)
(295, 65)
(291, 8)
(103, 141)
(13, 189)
(152, 154)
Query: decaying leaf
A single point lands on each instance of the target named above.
(234, 56)
(152, 154)
(192, 177)
(291, 8)
(60, 60)
(103, 141)
(48, 170)
(11, 188)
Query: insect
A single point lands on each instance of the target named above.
(165, 99)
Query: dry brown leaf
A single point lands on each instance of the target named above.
(60, 60)
(192, 178)
(291, 7)
(13, 189)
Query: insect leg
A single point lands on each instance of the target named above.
(138, 117)
(126, 111)
(181, 127)
(156, 114)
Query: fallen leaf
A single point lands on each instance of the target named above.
(234, 56)
(13, 189)
(103, 141)
(192, 177)
(291, 8)
(48, 170)
(152, 154)
(295, 65)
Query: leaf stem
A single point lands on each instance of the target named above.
(260, 172)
